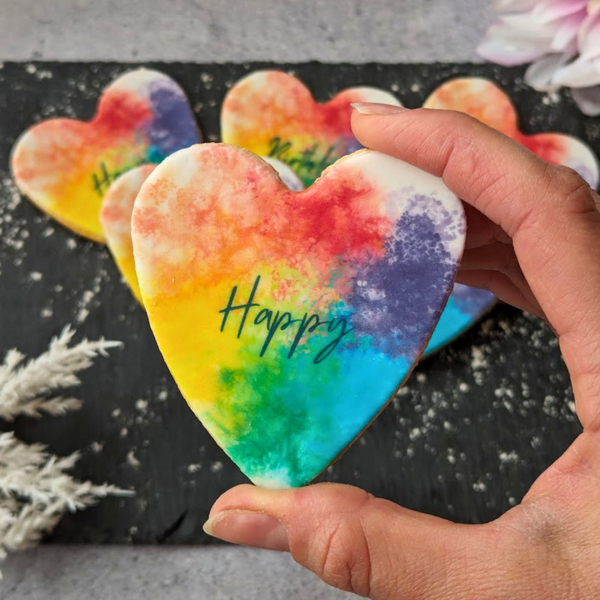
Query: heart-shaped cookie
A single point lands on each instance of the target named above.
(117, 207)
(485, 101)
(65, 166)
(273, 114)
(466, 306)
(115, 218)
(289, 319)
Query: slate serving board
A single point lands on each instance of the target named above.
(464, 439)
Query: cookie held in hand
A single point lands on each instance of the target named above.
(117, 208)
(289, 319)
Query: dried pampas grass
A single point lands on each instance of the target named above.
(35, 486)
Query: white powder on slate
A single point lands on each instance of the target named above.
(97, 447)
(38, 72)
(13, 229)
(433, 421)
(216, 466)
(142, 405)
(132, 460)
(46, 313)
(88, 299)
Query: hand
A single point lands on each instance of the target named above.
(534, 240)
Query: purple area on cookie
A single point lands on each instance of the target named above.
(396, 297)
(174, 126)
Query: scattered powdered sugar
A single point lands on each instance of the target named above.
(462, 408)
(478, 358)
(38, 72)
(132, 460)
(508, 457)
(551, 98)
(13, 229)
(142, 405)
(88, 299)
(216, 466)
(207, 80)
(96, 447)
(479, 486)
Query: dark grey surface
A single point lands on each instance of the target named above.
(465, 439)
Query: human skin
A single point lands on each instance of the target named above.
(534, 241)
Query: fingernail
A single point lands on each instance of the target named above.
(248, 528)
(374, 108)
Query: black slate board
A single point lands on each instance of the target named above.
(464, 440)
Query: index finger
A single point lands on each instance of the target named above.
(548, 211)
(475, 161)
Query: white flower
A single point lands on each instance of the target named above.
(561, 37)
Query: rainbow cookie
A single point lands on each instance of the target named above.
(466, 306)
(65, 166)
(286, 174)
(485, 101)
(289, 319)
(117, 207)
(273, 114)
(115, 218)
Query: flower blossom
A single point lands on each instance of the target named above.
(561, 38)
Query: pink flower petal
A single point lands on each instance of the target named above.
(551, 10)
(561, 37)
(565, 38)
(581, 73)
(507, 44)
(540, 73)
(513, 5)
(589, 36)
(522, 25)
(588, 100)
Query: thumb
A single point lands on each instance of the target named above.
(369, 546)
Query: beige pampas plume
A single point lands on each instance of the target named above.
(35, 486)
